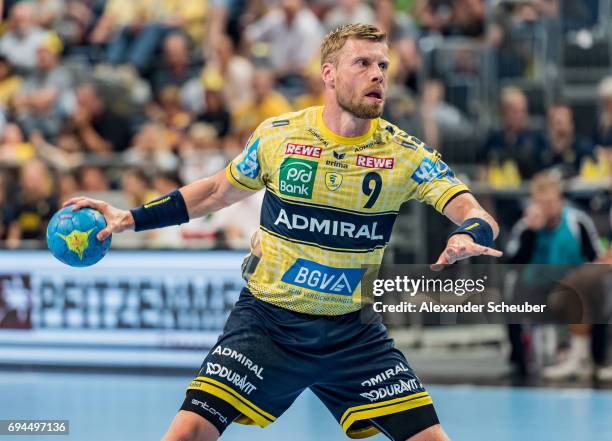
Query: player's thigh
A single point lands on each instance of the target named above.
(433, 433)
(189, 426)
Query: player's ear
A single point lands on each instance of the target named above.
(328, 74)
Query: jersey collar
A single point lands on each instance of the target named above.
(327, 133)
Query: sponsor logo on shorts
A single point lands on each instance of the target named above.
(427, 171)
(373, 162)
(392, 390)
(204, 405)
(240, 381)
(385, 375)
(322, 278)
(249, 165)
(243, 360)
(303, 150)
(297, 177)
(333, 181)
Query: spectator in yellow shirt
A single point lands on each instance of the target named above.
(266, 103)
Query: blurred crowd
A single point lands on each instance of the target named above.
(130, 99)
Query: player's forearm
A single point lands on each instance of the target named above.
(481, 213)
(211, 194)
(203, 197)
(466, 207)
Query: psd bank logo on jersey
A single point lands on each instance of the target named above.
(297, 177)
(249, 165)
(322, 278)
(427, 171)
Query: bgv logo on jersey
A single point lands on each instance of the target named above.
(303, 150)
(314, 276)
(373, 162)
(427, 171)
(297, 177)
(249, 165)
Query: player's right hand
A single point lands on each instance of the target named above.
(117, 220)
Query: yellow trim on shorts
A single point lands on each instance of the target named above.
(373, 410)
(253, 413)
(448, 194)
(363, 433)
(235, 182)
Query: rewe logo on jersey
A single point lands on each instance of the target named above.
(303, 150)
(427, 171)
(373, 162)
(297, 177)
(322, 278)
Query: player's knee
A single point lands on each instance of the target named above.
(188, 426)
(433, 433)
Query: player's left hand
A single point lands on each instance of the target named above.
(459, 247)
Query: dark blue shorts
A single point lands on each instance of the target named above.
(268, 355)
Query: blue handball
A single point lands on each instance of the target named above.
(71, 236)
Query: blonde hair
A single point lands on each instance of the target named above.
(335, 40)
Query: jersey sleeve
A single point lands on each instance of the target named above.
(248, 170)
(433, 181)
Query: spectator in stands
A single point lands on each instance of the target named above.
(39, 103)
(235, 70)
(266, 103)
(603, 131)
(589, 284)
(201, 154)
(396, 24)
(550, 232)
(515, 142)
(10, 83)
(14, 149)
(190, 17)
(215, 111)
(65, 155)
(565, 149)
(135, 42)
(135, 186)
(468, 18)
(98, 129)
(47, 12)
(92, 179)
(20, 43)
(435, 16)
(293, 34)
(76, 22)
(67, 186)
(168, 110)
(441, 120)
(314, 87)
(348, 11)
(165, 182)
(34, 205)
(150, 150)
(116, 15)
(176, 68)
(6, 208)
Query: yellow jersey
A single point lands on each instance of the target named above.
(330, 204)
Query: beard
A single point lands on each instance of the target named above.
(358, 106)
